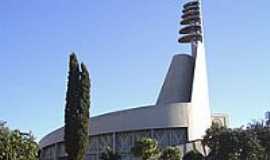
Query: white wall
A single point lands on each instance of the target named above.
(178, 82)
(200, 118)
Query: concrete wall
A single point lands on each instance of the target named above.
(178, 82)
(121, 142)
(200, 118)
(98, 144)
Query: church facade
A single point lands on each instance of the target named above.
(180, 116)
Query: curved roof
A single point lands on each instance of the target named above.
(165, 116)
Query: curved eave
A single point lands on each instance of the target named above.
(165, 116)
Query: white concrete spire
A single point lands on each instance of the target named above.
(200, 119)
(186, 80)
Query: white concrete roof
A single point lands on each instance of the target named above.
(148, 117)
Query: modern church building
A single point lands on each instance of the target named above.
(180, 116)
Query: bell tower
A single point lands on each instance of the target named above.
(192, 33)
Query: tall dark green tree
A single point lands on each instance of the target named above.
(72, 103)
(83, 109)
(77, 110)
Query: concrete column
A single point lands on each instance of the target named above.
(98, 149)
(152, 133)
(114, 142)
(55, 151)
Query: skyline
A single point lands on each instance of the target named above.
(118, 49)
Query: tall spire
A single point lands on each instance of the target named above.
(192, 33)
(191, 22)
(178, 86)
(192, 25)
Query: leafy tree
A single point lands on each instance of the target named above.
(250, 147)
(77, 110)
(146, 148)
(15, 145)
(110, 155)
(262, 131)
(212, 139)
(171, 153)
(233, 144)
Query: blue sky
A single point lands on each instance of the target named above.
(127, 46)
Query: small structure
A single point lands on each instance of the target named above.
(267, 118)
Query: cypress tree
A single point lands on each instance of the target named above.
(71, 104)
(77, 110)
(82, 132)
